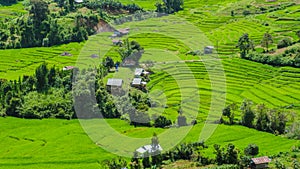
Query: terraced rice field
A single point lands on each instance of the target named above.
(267, 85)
(65, 145)
(275, 87)
(18, 62)
(11, 11)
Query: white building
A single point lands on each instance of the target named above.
(148, 148)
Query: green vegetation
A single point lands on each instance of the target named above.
(169, 6)
(66, 145)
(290, 57)
(35, 89)
(45, 26)
(18, 62)
(11, 11)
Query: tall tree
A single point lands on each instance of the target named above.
(125, 50)
(219, 154)
(146, 160)
(154, 141)
(41, 74)
(247, 113)
(231, 154)
(245, 44)
(54, 34)
(39, 13)
(38, 10)
(169, 6)
(251, 150)
(227, 111)
(108, 62)
(262, 118)
(267, 40)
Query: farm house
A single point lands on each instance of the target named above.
(260, 162)
(68, 67)
(114, 85)
(138, 83)
(120, 32)
(148, 148)
(117, 42)
(140, 72)
(208, 49)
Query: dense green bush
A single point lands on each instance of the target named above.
(290, 57)
(111, 5)
(284, 43)
(162, 122)
(251, 150)
(262, 118)
(293, 132)
(44, 28)
(51, 93)
(246, 12)
(169, 6)
(55, 104)
(223, 156)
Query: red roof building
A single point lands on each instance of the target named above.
(260, 162)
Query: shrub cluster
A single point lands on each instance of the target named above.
(43, 27)
(290, 57)
(111, 6)
(261, 118)
(225, 157)
(50, 92)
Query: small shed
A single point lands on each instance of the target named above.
(128, 62)
(136, 82)
(78, 1)
(260, 162)
(68, 68)
(113, 36)
(66, 54)
(114, 85)
(148, 148)
(94, 56)
(121, 32)
(124, 31)
(117, 42)
(138, 72)
(208, 49)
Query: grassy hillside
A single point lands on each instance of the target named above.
(18, 62)
(11, 11)
(275, 87)
(215, 20)
(52, 143)
(65, 145)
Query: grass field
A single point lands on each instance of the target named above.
(18, 62)
(275, 87)
(64, 144)
(12, 11)
(178, 79)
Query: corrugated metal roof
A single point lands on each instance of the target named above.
(138, 71)
(136, 81)
(261, 160)
(68, 67)
(114, 82)
(149, 148)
